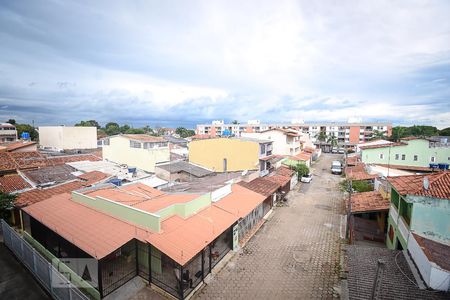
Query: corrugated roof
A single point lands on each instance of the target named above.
(96, 233)
(56, 174)
(143, 137)
(435, 252)
(13, 183)
(369, 202)
(178, 166)
(38, 195)
(261, 185)
(439, 185)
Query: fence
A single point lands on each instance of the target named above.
(40, 267)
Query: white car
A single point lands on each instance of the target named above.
(336, 167)
(306, 178)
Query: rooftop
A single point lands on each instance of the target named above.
(17, 145)
(407, 168)
(368, 202)
(285, 172)
(395, 282)
(178, 166)
(38, 195)
(439, 185)
(52, 174)
(383, 146)
(261, 185)
(13, 183)
(359, 172)
(143, 137)
(435, 252)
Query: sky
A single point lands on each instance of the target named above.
(179, 63)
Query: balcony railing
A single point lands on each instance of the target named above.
(404, 231)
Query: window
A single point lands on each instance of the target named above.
(381, 156)
(397, 156)
(106, 142)
(433, 159)
(262, 148)
(134, 144)
(403, 156)
(148, 145)
(416, 158)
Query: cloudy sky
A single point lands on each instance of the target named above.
(173, 63)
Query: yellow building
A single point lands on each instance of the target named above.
(136, 150)
(231, 154)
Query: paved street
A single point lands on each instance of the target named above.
(295, 255)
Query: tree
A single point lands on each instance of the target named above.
(124, 128)
(445, 132)
(332, 140)
(321, 136)
(11, 121)
(235, 122)
(27, 128)
(89, 123)
(135, 131)
(184, 133)
(300, 169)
(112, 128)
(6, 204)
(378, 134)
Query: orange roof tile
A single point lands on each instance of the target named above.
(6, 162)
(280, 179)
(368, 202)
(359, 172)
(261, 186)
(435, 252)
(12, 183)
(17, 145)
(241, 201)
(182, 239)
(439, 185)
(98, 234)
(38, 195)
(409, 168)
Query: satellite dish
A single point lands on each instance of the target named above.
(426, 183)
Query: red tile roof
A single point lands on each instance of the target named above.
(352, 160)
(303, 156)
(6, 162)
(359, 172)
(38, 195)
(261, 186)
(435, 252)
(408, 168)
(309, 149)
(17, 145)
(98, 234)
(12, 183)
(27, 160)
(280, 179)
(283, 171)
(368, 202)
(439, 185)
(241, 201)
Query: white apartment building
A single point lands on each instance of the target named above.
(8, 132)
(67, 137)
(285, 142)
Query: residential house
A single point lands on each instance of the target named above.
(285, 177)
(270, 189)
(18, 146)
(419, 220)
(173, 241)
(67, 137)
(285, 141)
(136, 150)
(301, 158)
(376, 142)
(8, 132)
(232, 154)
(410, 153)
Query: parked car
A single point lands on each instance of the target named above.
(306, 178)
(336, 167)
(334, 150)
(341, 151)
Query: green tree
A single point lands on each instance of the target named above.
(445, 132)
(332, 140)
(112, 128)
(235, 122)
(6, 204)
(124, 128)
(378, 134)
(27, 128)
(11, 121)
(89, 123)
(135, 131)
(184, 133)
(321, 136)
(301, 170)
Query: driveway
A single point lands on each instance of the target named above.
(295, 255)
(16, 282)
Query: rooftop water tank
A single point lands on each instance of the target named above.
(116, 181)
(25, 135)
(443, 166)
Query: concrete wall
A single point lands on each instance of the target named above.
(124, 212)
(119, 151)
(415, 147)
(187, 209)
(65, 137)
(210, 153)
(431, 218)
(282, 143)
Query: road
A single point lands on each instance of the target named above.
(295, 254)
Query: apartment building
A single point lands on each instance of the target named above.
(345, 133)
(8, 132)
(413, 153)
(232, 154)
(285, 142)
(136, 150)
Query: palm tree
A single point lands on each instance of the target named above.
(321, 136)
(332, 140)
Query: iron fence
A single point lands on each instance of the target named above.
(42, 269)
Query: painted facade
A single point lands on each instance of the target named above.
(230, 154)
(67, 137)
(283, 142)
(119, 149)
(416, 153)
